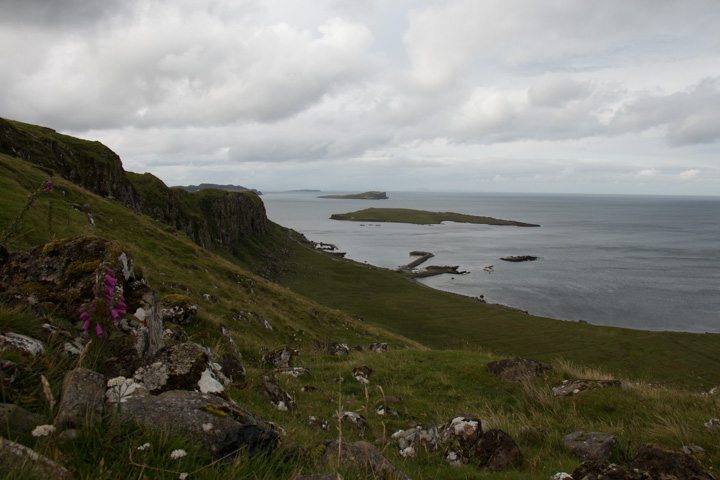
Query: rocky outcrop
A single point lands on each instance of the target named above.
(28, 463)
(83, 397)
(360, 457)
(210, 217)
(90, 165)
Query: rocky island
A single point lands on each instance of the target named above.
(421, 217)
(373, 195)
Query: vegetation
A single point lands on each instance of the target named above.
(440, 345)
(421, 217)
(374, 195)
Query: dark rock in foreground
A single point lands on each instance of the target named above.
(520, 258)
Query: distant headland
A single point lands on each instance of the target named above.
(230, 188)
(421, 217)
(374, 195)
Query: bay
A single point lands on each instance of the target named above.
(642, 262)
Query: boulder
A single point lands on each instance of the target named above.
(278, 397)
(15, 420)
(496, 450)
(573, 387)
(517, 369)
(589, 467)
(279, 358)
(666, 463)
(293, 371)
(176, 367)
(318, 423)
(362, 458)
(459, 436)
(177, 309)
(252, 439)
(381, 347)
(419, 438)
(232, 368)
(204, 417)
(22, 343)
(351, 418)
(82, 398)
(362, 373)
(27, 463)
(590, 445)
(712, 425)
(338, 349)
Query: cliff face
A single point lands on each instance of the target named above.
(210, 217)
(90, 165)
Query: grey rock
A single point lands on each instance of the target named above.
(175, 367)
(362, 374)
(496, 450)
(352, 419)
(419, 438)
(712, 425)
(692, 449)
(278, 397)
(279, 358)
(573, 387)
(15, 420)
(27, 463)
(149, 329)
(181, 312)
(590, 445)
(83, 397)
(174, 334)
(338, 349)
(201, 416)
(318, 423)
(666, 463)
(362, 458)
(22, 343)
(517, 369)
(231, 367)
(459, 436)
(380, 347)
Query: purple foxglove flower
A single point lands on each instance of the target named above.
(115, 314)
(98, 330)
(86, 325)
(121, 307)
(84, 316)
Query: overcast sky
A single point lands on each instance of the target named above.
(568, 96)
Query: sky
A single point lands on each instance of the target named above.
(552, 96)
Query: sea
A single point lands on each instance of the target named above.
(641, 262)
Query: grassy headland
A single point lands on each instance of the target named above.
(373, 195)
(421, 217)
(440, 345)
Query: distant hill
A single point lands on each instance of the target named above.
(229, 188)
(374, 195)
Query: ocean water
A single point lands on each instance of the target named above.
(642, 262)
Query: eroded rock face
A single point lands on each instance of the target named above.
(590, 445)
(207, 418)
(517, 369)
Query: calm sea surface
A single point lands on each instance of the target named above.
(643, 262)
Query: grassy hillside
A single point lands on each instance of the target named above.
(440, 345)
(421, 217)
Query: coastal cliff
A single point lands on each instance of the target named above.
(210, 217)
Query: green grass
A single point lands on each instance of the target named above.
(421, 217)
(440, 345)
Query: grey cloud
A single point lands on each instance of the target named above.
(58, 14)
(690, 117)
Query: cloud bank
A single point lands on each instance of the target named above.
(462, 95)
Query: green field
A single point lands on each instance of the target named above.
(421, 217)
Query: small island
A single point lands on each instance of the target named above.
(374, 195)
(421, 217)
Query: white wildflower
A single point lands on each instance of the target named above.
(183, 476)
(43, 430)
(114, 382)
(143, 447)
(175, 454)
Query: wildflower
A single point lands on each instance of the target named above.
(109, 306)
(144, 446)
(48, 186)
(184, 475)
(175, 454)
(43, 430)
